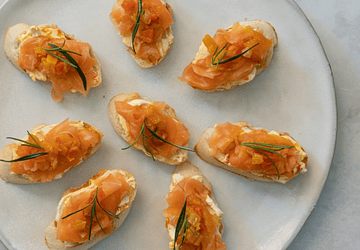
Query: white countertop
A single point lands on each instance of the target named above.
(335, 222)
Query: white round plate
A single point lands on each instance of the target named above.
(295, 94)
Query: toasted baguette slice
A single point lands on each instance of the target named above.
(163, 45)
(40, 131)
(263, 27)
(19, 33)
(122, 211)
(195, 195)
(221, 160)
(119, 124)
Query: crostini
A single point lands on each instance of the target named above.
(48, 152)
(231, 57)
(145, 27)
(253, 152)
(87, 214)
(150, 126)
(47, 53)
(193, 218)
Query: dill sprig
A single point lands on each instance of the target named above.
(220, 61)
(70, 60)
(27, 144)
(93, 202)
(182, 226)
(154, 135)
(137, 24)
(261, 147)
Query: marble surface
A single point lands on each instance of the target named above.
(335, 222)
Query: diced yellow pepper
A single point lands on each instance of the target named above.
(51, 59)
(45, 62)
(213, 48)
(210, 44)
(39, 50)
(257, 159)
(213, 67)
(79, 224)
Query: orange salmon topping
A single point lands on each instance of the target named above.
(201, 75)
(63, 76)
(201, 222)
(153, 24)
(111, 190)
(227, 139)
(165, 126)
(66, 145)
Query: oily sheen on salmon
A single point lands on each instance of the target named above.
(231, 57)
(253, 152)
(31, 50)
(89, 213)
(200, 218)
(133, 116)
(152, 36)
(48, 152)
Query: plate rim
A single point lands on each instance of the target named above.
(335, 119)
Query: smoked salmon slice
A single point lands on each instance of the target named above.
(89, 213)
(66, 145)
(232, 56)
(112, 188)
(31, 49)
(202, 216)
(153, 27)
(134, 117)
(255, 153)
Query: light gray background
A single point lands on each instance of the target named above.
(335, 222)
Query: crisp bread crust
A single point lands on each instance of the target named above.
(180, 155)
(7, 154)
(12, 49)
(270, 33)
(203, 151)
(51, 231)
(188, 170)
(167, 38)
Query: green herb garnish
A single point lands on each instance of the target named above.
(137, 23)
(71, 61)
(94, 201)
(219, 61)
(154, 134)
(261, 147)
(27, 144)
(182, 226)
